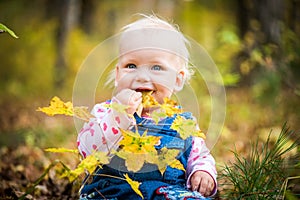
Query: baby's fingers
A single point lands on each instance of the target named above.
(136, 98)
(206, 187)
(202, 182)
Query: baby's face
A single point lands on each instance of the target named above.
(153, 70)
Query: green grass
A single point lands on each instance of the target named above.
(262, 173)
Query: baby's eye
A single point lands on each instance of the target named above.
(156, 67)
(131, 66)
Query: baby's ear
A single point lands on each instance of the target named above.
(180, 79)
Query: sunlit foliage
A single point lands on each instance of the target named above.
(135, 149)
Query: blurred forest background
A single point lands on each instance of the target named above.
(254, 43)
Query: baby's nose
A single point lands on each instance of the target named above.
(143, 75)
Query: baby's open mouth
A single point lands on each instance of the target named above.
(144, 90)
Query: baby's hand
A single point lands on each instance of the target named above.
(130, 98)
(202, 182)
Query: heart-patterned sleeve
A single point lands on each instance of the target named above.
(200, 159)
(102, 133)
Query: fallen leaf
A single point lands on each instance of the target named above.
(134, 185)
(61, 150)
(58, 107)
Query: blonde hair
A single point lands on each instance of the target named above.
(178, 43)
(154, 22)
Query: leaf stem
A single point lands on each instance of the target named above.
(111, 176)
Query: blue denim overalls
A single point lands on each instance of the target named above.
(170, 185)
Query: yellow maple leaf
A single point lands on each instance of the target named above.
(170, 107)
(186, 127)
(136, 143)
(133, 162)
(61, 150)
(134, 185)
(158, 115)
(177, 164)
(83, 113)
(148, 101)
(199, 133)
(165, 158)
(90, 163)
(72, 174)
(117, 107)
(137, 149)
(58, 107)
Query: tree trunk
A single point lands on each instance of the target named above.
(88, 8)
(262, 17)
(293, 17)
(68, 18)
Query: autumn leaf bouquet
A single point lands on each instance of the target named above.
(136, 147)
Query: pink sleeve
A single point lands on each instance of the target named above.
(200, 159)
(102, 133)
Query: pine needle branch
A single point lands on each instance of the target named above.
(261, 173)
